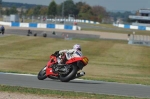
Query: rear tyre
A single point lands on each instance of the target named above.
(42, 74)
(70, 75)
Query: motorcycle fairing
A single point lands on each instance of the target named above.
(75, 59)
(81, 62)
(49, 70)
(52, 60)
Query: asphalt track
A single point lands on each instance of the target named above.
(70, 33)
(58, 34)
(88, 86)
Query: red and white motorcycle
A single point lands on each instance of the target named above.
(64, 72)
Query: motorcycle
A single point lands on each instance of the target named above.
(64, 72)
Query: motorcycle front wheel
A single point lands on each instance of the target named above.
(42, 74)
(72, 73)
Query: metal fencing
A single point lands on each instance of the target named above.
(49, 20)
(139, 39)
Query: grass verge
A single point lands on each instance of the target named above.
(111, 29)
(60, 94)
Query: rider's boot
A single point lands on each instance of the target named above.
(82, 73)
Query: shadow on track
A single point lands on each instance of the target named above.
(77, 81)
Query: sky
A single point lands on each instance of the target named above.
(111, 5)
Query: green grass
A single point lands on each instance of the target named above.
(60, 94)
(114, 61)
(119, 30)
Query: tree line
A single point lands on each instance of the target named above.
(79, 10)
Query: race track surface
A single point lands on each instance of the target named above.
(87, 86)
(70, 33)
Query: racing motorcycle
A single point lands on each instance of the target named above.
(64, 72)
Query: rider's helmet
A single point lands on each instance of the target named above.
(77, 47)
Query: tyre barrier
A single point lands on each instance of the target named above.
(28, 34)
(35, 34)
(54, 33)
(44, 35)
(127, 26)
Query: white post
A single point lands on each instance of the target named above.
(133, 36)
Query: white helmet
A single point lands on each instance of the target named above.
(77, 47)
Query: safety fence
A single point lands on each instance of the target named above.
(72, 20)
(132, 27)
(41, 25)
(139, 39)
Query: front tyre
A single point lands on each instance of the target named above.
(42, 74)
(70, 75)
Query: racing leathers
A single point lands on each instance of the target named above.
(68, 54)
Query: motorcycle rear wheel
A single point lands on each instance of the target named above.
(71, 75)
(42, 74)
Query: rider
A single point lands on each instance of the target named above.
(64, 55)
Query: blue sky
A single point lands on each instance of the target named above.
(128, 5)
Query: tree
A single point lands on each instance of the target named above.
(59, 10)
(85, 12)
(52, 8)
(69, 8)
(36, 10)
(7, 11)
(122, 15)
(43, 11)
(21, 12)
(99, 12)
(78, 7)
(29, 12)
(13, 10)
